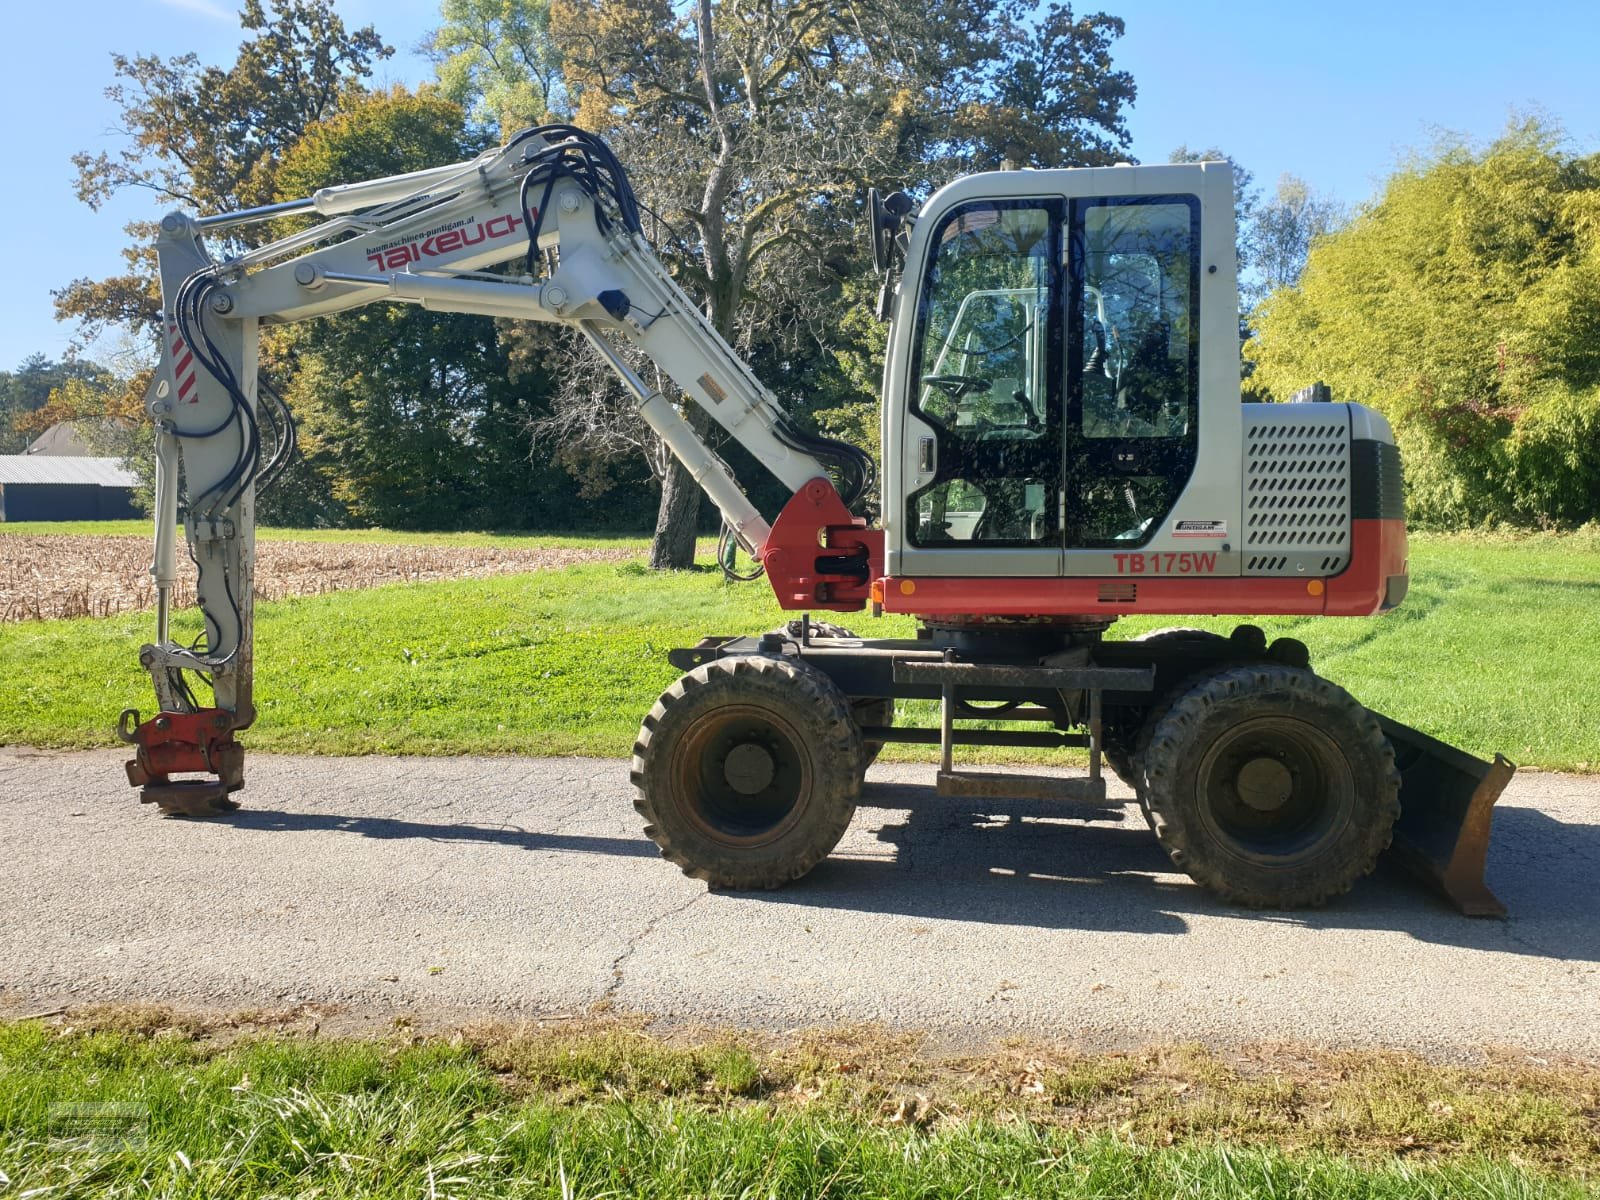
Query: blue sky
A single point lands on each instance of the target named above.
(1332, 93)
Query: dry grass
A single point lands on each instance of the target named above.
(42, 578)
(1368, 1105)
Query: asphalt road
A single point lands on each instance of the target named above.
(521, 886)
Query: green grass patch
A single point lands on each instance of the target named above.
(609, 1110)
(1492, 651)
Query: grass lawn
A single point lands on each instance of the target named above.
(610, 1111)
(1494, 649)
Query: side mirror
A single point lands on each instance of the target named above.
(886, 215)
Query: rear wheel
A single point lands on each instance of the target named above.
(1125, 739)
(746, 770)
(1271, 786)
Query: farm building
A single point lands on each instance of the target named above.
(67, 437)
(54, 487)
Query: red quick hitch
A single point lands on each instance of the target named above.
(184, 742)
(819, 555)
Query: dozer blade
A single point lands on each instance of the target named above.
(1447, 799)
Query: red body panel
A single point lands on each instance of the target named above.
(820, 556)
(1378, 553)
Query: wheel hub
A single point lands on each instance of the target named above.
(1273, 787)
(1264, 784)
(749, 769)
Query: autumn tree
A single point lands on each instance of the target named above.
(1464, 303)
(751, 129)
(25, 395)
(208, 138)
(974, 87)
(409, 416)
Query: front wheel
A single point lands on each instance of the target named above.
(869, 711)
(746, 770)
(1271, 786)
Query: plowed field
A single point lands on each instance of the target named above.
(46, 577)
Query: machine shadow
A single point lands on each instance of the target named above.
(1002, 862)
(1031, 863)
(390, 828)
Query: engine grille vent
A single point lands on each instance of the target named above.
(1297, 490)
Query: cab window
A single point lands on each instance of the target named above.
(1134, 365)
(1138, 321)
(985, 365)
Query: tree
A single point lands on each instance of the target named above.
(107, 414)
(751, 130)
(409, 416)
(1464, 303)
(25, 394)
(206, 138)
(1284, 229)
(209, 138)
(974, 87)
(496, 59)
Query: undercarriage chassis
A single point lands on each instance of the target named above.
(1265, 782)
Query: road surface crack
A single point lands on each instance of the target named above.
(618, 964)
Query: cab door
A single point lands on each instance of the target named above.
(1133, 415)
(985, 450)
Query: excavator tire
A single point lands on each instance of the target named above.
(1141, 746)
(1122, 744)
(1271, 786)
(869, 711)
(746, 771)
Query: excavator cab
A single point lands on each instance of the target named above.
(1049, 370)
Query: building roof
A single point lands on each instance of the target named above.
(64, 437)
(52, 468)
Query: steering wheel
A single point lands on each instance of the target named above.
(957, 386)
(1029, 417)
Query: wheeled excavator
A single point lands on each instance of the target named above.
(1063, 445)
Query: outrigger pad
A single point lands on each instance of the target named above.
(1447, 799)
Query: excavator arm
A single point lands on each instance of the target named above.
(544, 228)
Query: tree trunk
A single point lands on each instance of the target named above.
(677, 521)
(678, 517)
